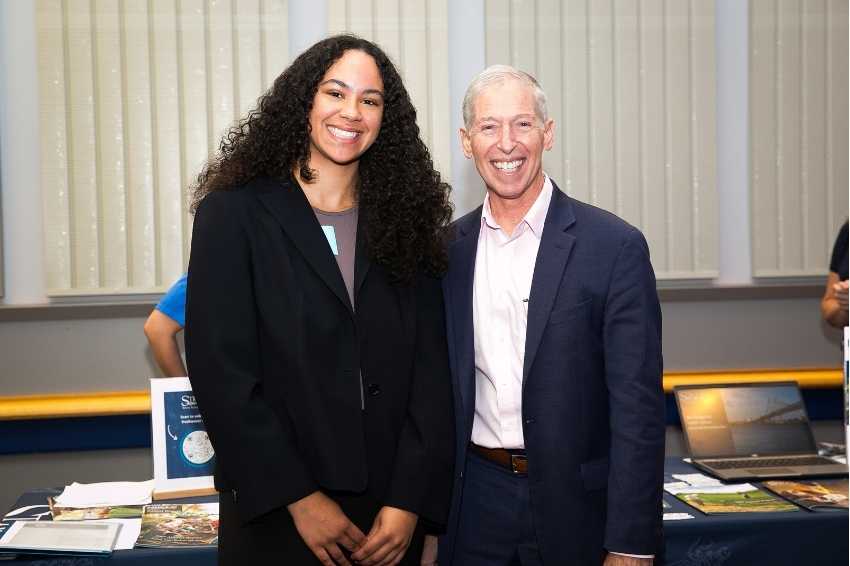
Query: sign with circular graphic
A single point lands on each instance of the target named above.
(195, 448)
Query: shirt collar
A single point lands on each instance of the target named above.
(534, 218)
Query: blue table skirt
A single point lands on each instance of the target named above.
(794, 538)
(799, 538)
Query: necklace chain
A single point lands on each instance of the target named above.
(346, 207)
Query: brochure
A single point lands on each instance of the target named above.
(176, 525)
(60, 513)
(63, 538)
(734, 498)
(820, 495)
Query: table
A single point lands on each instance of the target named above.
(799, 538)
(198, 556)
(795, 538)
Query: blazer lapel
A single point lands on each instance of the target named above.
(462, 273)
(290, 207)
(552, 256)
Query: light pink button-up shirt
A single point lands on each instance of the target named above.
(504, 266)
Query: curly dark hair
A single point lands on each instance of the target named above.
(404, 204)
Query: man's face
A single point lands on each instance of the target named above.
(507, 140)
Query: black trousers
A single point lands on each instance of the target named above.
(276, 541)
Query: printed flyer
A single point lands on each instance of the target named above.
(175, 525)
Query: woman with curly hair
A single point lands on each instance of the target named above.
(315, 331)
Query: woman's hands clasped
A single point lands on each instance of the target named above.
(389, 538)
(325, 528)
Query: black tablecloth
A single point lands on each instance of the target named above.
(794, 538)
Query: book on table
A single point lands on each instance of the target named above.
(60, 513)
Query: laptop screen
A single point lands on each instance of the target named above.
(764, 419)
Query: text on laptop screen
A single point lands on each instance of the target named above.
(745, 421)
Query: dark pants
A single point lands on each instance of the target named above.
(276, 541)
(495, 526)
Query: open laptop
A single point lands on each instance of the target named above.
(751, 431)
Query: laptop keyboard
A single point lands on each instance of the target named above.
(769, 462)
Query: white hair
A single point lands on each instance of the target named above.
(496, 74)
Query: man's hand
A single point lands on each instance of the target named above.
(429, 552)
(389, 538)
(324, 528)
(620, 560)
(840, 294)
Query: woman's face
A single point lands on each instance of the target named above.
(347, 111)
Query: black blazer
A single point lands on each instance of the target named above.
(297, 389)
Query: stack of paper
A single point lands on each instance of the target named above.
(105, 494)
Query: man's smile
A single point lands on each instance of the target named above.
(508, 166)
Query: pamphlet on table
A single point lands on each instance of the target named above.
(733, 498)
(820, 495)
(178, 525)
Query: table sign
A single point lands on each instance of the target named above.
(183, 457)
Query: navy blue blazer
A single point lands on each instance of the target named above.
(592, 399)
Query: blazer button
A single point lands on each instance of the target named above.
(374, 389)
(234, 495)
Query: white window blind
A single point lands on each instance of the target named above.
(631, 87)
(2, 283)
(414, 33)
(799, 133)
(135, 96)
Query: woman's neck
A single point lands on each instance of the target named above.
(332, 189)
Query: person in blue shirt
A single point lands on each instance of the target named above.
(162, 326)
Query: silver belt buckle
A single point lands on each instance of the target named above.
(514, 459)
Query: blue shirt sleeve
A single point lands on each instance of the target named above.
(173, 304)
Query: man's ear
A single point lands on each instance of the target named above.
(466, 142)
(548, 134)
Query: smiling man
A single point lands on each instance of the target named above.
(554, 333)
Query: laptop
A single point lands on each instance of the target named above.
(751, 431)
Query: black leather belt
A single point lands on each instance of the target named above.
(516, 462)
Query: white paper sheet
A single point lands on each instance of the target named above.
(106, 494)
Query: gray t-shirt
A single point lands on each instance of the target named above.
(341, 231)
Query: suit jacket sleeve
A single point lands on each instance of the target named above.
(222, 351)
(633, 374)
(422, 477)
